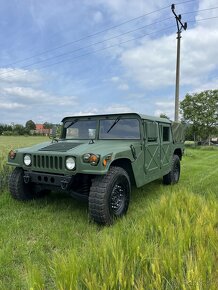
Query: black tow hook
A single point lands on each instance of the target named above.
(64, 184)
(26, 179)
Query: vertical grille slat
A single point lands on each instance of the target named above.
(38, 161)
(60, 162)
(51, 162)
(42, 161)
(34, 160)
(48, 162)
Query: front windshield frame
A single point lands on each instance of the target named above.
(98, 119)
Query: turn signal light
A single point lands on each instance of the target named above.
(12, 154)
(91, 158)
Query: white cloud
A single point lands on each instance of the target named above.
(165, 107)
(12, 75)
(123, 87)
(11, 106)
(152, 64)
(165, 104)
(115, 79)
(117, 108)
(111, 109)
(128, 8)
(26, 94)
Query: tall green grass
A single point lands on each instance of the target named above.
(168, 239)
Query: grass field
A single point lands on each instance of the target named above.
(168, 240)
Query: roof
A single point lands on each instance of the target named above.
(39, 127)
(141, 116)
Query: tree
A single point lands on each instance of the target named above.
(163, 115)
(201, 111)
(30, 125)
(47, 125)
(19, 130)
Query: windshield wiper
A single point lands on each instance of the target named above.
(114, 123)
(73, 122)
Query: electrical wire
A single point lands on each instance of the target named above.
(113, 37)
(96, 43)
(94, 34)
(108, 47)
(97, 33)
(201, 10)
(105, 48)
(204, 19)
(90, 35)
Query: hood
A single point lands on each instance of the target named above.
(101, 147)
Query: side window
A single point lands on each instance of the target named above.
(166, 134)
(152, 131)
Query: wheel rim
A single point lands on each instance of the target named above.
(118, 199)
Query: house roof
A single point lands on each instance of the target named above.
(39, 127)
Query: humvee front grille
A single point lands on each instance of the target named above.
(48, 162)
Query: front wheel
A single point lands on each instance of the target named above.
(18, 188)
(173, 176)
(109, 196)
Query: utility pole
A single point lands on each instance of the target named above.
(180, 27)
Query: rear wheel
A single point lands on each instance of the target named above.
(109, 196)
(173, 176)
(21, 190)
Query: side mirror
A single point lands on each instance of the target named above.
(54, 132)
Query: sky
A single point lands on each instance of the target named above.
(80, 57)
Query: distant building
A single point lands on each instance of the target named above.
(41, 130)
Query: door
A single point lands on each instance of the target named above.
(165, 146)
(152, 150)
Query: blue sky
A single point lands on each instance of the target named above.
(138, 75)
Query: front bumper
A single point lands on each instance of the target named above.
(48, 179)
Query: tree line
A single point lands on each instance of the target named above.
(18, 129)
(199, 112)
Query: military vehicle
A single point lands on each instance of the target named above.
(99, 158)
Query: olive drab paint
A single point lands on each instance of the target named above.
(90, 146)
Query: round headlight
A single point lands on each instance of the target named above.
(27, 160)
(70, 163)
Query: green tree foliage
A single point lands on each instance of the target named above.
(163, 115)
(200, 110)
(4, 128)
(30, 125)
(19, 130)
(47, 125)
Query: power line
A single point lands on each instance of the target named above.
(105, 48)
(96, 43)
(203, 19)
(90, 35)
(100, 42)
(201, 10)
(98, 32)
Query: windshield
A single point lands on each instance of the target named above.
(119, 129)
(80, 129)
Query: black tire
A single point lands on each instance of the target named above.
(173, 176)
(18, 189)
(109, 196)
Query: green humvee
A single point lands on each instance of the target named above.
(98, 158)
